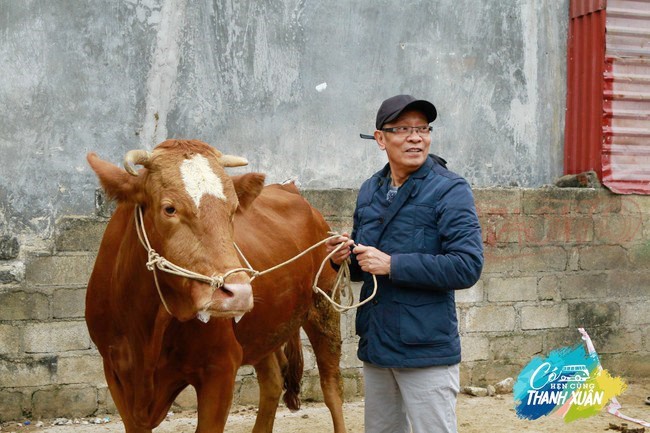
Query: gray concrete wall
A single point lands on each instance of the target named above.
(242, 75)
(556, 260)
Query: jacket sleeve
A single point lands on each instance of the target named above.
(461, 261)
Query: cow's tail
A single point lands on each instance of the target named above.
(292, 372)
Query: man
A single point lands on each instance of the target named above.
(416, 229)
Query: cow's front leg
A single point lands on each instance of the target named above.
(269, 379)
(214, 389)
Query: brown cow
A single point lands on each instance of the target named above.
(192, 212)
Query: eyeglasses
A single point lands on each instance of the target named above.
(405, 131)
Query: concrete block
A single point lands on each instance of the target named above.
(11, 405)
(627, 365)
(488, 232)
(79, 233)
(105, 400)
(499, 201)
(544, 316)
(348, 331)
(10, 342)
(490, 372)
(65, 401)
(635, 313)
(310, 390)
(639, 254)
(635, 204)
(618, 229)
(554, 201)
(548, 288)
(511, 289)
(602, 257)
(628, 284)
(61, 270)
(248, 391)
(542, 259)
(617, 340)
(501, 259)
(308, 357)
(573, 229)
(27, 372)
(333, 202)
(583, 286)
(490, 318)
(12, 272)
(24, 306)
(9, 247)
(574, 260)
(558, 338)
(55, 337)
(474, 348)
(474, 294)
(516, 347)
(186, 399)
(68, 303)
(245, 370)
(598, 203)
(349, 357)
(351, 388)
(85, 369)
(589, 315)
(512, 229)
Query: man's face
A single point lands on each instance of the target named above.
(405, 153)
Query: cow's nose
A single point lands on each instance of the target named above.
(239, 296)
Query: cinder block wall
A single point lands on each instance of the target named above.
(556, 260)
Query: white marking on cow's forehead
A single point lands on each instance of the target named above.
(199, 179)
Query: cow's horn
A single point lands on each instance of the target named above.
(232, 161)
(134, 157)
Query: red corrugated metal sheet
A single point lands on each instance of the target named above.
(626, 107)
(607, 126)
(585, 63)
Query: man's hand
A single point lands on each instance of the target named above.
(344, 252)
(372, 260)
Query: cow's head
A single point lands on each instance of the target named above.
(189, 204)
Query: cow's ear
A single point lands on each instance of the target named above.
(248, 186)
(117, 183)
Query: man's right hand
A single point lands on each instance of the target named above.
(344, 252)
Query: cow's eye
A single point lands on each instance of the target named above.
(169, 210)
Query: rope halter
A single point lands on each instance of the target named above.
(156, 261)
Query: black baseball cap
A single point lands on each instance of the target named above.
(392, 107)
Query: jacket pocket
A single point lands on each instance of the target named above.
(424, 324)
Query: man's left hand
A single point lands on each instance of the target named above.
(372, 260)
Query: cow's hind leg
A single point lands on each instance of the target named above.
(323, 329)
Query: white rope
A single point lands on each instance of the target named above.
(155, 260)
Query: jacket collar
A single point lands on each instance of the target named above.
(404, 191)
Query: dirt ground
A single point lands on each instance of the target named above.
(475, 415)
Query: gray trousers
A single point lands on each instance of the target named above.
(400, 399)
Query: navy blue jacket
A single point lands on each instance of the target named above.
(432, 233)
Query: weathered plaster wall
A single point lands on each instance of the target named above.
(112, 76)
